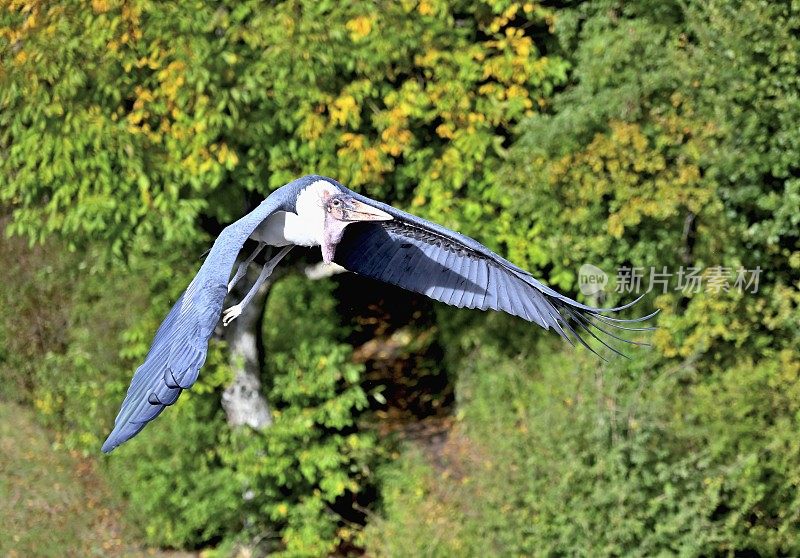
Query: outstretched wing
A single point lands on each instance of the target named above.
(444, 265)
(181, 342)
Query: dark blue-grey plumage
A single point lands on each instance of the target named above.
(181, 342)
(426, 258)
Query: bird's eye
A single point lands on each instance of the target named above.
(337, 203)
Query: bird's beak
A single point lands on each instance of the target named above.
(359, 211)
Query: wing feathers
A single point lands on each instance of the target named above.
(467, 295)
(445, 276)
(489, 299)
(426, 258)
(180, 345)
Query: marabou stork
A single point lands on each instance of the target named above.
(364, 236)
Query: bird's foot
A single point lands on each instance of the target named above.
(231, 314)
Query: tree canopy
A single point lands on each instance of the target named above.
(651, 136)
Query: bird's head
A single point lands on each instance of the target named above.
(340, 211)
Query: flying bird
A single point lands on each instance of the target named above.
(366, 237)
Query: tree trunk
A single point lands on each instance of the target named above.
(242, 400)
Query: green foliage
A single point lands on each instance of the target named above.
(190, 479)
(151, 122)
(645, 165)
(180, 493)
(307, 471)
(615, 133)
(34, 320)
(77, 388)
(674, 145)
(75, 378)
(626, 460)
(150, 115)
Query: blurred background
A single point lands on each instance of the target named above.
(649, 139)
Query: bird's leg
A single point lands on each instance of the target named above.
(233, 312)
(242, 270)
